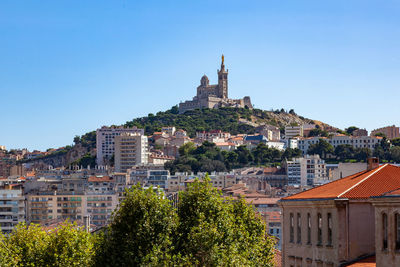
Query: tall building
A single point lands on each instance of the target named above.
(390, 132)
(215, 95)
(131, 149)
(105, 143)
(293, 131)
(12, 207)
(306, 170)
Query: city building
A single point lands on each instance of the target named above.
(305, 171)
(390, 132)
(340, 139)
(273, 133)
(12, 207)
(130, 149)
(215, 136)
(350, 220)
(214, 96)
(345, 169)
(293, 131)
(360, 132)
(105, 141)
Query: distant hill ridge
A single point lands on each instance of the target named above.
(228, 119)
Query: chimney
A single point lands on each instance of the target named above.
(86, 220)
(372, 163)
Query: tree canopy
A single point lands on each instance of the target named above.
(205, 230)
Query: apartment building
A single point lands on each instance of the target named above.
(340, 139)
(131, 149)
(293, 131)
(214, 136)
(348, 221)
(150, 175)
(390, 132)
(105, 141)
(12, 207)
(305, 171)
(273, 133)
(45, 207)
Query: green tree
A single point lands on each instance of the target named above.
(351, 129)
(395, 154)
(214, 231)
(140, 231)
(396, 141)
(187, 149)
(344, 152)
(322, 148)
(66, 245)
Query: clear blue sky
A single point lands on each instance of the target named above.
(69, 67)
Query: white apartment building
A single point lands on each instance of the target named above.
(341, 139)
(105, 141)
(131, 149)
(293, 131)
(213, 136)
(12, 208)
(306, 170)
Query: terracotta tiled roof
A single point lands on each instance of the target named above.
(278, 258)
(367, 262)
(100, 179)
(361, 185)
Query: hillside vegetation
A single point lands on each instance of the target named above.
(233, 120)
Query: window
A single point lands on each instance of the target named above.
(308, 228)
(384, 231)
(291, 228)
(397, 225)
(298, 228)
(329, 229)
(319, 223)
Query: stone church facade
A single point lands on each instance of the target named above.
(214, 95)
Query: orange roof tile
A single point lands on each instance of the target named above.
(100, 178)
(367, 262)
(361, 185)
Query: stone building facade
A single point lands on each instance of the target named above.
(214, 95)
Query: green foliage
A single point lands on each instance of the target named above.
(351, 129)
(205, 230)
(66, 245)
(318, 132)
(86, 160)
(209, 158)
(225, 119)
(396, 142)
(219, 232)
(322, 148)
(140, 231)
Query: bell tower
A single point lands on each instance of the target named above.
(222, 80)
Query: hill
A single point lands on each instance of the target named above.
(233, 120)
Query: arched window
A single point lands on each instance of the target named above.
(329, 221)
(298, 228)
(384, 231)
(397, 229)
(291, 228)
(308, 228)
(319, 224)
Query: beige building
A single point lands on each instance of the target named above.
(293, 131)
(346, 169)
(12, 207)
(339, 223)
(390, 132)
(306, 170)
(105, 141)
(214, 96)
(130, 150)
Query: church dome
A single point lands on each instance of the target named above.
(204, 81)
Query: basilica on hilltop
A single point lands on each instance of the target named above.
(214, 95)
